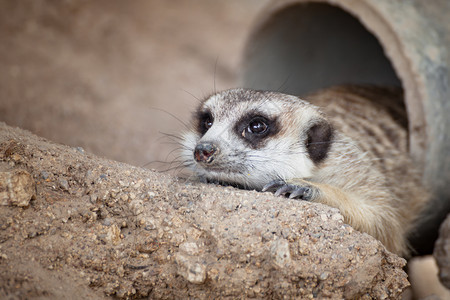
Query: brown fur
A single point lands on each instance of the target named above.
(388, 195)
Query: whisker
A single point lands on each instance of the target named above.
(165, 134)
(165, 161)
(172, 115)
(283, 84)
(180, 159)
(215, 71)
(154, 162)
(174, 150)
(191, 94)
(180, 165)
(173, 143)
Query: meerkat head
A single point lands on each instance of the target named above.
(249, 138)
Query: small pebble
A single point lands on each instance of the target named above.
(80, 149)
(107, 222)
(64, 184)
(45, 175)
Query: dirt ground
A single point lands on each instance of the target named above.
(76, 226)
(101, 74)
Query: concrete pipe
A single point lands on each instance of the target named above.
(300, 46)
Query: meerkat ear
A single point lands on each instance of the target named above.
(318, 142)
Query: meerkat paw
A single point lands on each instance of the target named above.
(301, 191)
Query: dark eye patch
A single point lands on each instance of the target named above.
(255, 128)
(204, 121)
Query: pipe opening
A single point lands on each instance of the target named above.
(305, 47)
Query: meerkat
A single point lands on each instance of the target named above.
(350, 154)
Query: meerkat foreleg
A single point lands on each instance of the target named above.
(362, 214)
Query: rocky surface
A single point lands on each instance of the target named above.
(97, 228)
(16, 188)
(442, 252)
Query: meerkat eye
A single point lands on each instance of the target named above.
(257, 126)
(205, 122)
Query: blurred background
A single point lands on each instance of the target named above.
(96, 74)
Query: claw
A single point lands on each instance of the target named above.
(292, 191)
(284, 189)
(273, 185)
(297, 192)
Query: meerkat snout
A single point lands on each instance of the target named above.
(205, 152)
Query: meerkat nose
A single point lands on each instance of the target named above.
(204, 152)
